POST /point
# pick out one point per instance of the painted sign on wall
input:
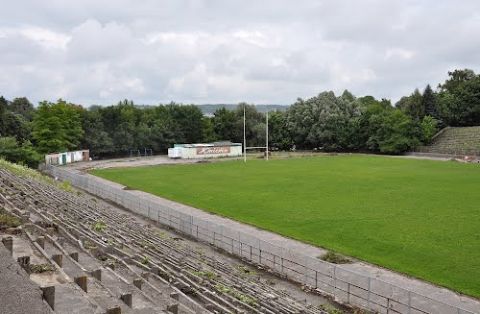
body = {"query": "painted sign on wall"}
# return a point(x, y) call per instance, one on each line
point(213, 150)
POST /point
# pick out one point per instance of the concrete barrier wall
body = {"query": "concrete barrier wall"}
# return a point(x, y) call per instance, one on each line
point(344, 285)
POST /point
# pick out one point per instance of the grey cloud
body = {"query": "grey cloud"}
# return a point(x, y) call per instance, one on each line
point(229, 51)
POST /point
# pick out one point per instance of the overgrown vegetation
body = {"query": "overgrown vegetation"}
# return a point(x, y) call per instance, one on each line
point(236, 294)
point(41, 268)
point(330, 309)
point(99, 226)
point(335, 258)
point(205, 274)
point(245, 271)
point(19, 152)
point(145, 260)
point(7, 220)
point(89, 245)
point(26, 172)
point(66, 186)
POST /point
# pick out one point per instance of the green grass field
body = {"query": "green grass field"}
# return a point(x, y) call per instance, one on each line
point(418, 217)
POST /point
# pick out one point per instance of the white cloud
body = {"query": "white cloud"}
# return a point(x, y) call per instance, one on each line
point(393, 53)
point(46, 38)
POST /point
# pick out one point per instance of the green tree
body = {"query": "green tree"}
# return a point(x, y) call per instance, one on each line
point(23, 107)
point(397, 133)
point(429, 127)
point(12, 151)
point(3, 116)
point(459, 98)
point(224, 125)
point(279, 136)
point(429, 102)
point(16, 125)
point(457, 79)
point(189, 122)
point(254, 126)
point(208, 130)
point(385, 129)
point(412, 105)
point(57, 127)
point(95, 138)
point(325, 121)
point(13, 123)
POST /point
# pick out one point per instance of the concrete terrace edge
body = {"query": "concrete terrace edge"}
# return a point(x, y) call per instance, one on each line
point(359, 284)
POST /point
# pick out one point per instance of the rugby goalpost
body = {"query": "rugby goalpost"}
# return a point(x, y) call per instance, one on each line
point(245, 136)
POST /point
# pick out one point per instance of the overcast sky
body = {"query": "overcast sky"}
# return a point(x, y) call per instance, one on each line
point(152, 51)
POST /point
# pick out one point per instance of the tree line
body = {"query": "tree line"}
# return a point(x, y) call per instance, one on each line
point(325, 122)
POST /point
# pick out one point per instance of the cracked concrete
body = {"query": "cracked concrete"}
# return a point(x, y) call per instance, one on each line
point(18, 294)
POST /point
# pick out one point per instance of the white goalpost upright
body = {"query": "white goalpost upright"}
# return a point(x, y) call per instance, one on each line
point(245, 136)
point(266, 135)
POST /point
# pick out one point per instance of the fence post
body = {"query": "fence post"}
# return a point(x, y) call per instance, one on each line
point(409, 302)
point(191, 225)
point(334, 280)
point(305, 274)
point(368, 300)
point(348, 293)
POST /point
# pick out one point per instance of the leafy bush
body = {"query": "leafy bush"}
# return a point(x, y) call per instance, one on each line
point(24, 154)
point(66, 186)
point(8, 221)
point(145, 260)
point(41, 268)
point(99, 226)
point(335, 258)
point(429, 128)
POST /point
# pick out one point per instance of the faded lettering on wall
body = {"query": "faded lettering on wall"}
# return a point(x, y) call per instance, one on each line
point(213, 150)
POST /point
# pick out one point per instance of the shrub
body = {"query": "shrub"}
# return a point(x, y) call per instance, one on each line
point(335, 258)
point(24, 154)
point(99, 226)
point(429, 128)
point(41, 268)
point(8, 221)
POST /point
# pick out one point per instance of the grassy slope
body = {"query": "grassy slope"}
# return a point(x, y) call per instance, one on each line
point(415, 216)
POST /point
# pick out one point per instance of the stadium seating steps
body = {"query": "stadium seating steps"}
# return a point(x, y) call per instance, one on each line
point(455, 141)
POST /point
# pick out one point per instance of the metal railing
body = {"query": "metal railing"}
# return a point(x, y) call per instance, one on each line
point(344, 285)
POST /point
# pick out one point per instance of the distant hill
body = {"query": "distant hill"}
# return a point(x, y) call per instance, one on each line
point(209, 109)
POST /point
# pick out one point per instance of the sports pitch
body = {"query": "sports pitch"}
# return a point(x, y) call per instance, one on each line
point(418, 217)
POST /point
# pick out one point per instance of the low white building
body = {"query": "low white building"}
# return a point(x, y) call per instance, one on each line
point(205, 150)
point(67, 157)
